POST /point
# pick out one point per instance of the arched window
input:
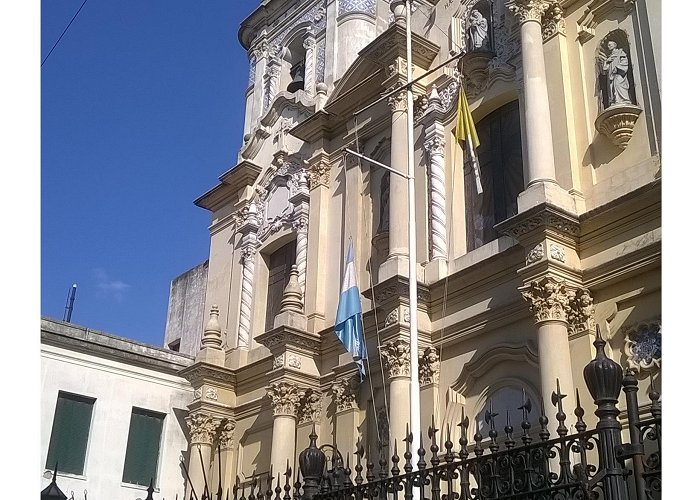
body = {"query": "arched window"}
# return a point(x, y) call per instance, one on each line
point(506, 401)
point(293, 65)
point(501, 161)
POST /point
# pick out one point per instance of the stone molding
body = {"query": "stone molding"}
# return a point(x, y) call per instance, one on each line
point(226, 439)
point(282, 338)
point(429, 367)
point(397, 359)
point(548, 299)
point(310, 406)
point(202, 427)
point(345, 393)
point(528, 10)
point(285, 398)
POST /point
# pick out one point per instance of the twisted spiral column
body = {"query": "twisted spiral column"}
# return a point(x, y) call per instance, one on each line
point(435, 147)
point(310, 64)
point(246, 298)
point(302, 229)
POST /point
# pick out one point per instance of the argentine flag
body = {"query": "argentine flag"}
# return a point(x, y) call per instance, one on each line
point(348, 320)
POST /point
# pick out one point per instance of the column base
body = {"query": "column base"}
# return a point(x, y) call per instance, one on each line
point(549, 192)
point(395, 265)
point(435, 270)
point(211, 356)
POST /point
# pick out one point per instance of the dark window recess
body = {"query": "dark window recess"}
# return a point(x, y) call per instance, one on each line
point(143, 447)
point(174, 345)
point(69, 434)
point(501, 161)
point(281, 263)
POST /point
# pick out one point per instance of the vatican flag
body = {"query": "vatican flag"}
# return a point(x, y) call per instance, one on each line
point(466, 131)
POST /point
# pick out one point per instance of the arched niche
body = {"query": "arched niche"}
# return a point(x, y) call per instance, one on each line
point(615, 75)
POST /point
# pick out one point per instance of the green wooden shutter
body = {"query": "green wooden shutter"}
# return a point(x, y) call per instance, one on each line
point(69, 434)
point(142, 447)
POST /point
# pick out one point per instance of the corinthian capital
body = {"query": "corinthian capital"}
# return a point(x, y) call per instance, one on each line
point(529, 10)
point(548, 299)
point(553, 22)
point(345, 393)
point(202, 427)
point(435, 146)
point(397, 359)
point(285, 398)
point(429, 367)
point(398, 101)
point(310, 406)
point(581, 309)
point(226, 434)
point(320, 173)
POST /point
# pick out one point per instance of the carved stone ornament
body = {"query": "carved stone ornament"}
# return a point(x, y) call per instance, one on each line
point(536, 254)
point(553, 22)
point(320, 174)
point(211, 393)
point(528, 10)
point(643, 346)
point(294, 361)
point(310, 407)
point(392, 318)
point(285, 398)
point(226, 434)
point(557, 252)
point(197, 394)
point(580, 312)
point(617, 123)
point(278, 362)
point(397, 359)
point(429, 367)
point(548, 299)
point(345, 393)
point(202, 427)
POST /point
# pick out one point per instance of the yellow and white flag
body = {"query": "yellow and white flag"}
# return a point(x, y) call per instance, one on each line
point(466, 131)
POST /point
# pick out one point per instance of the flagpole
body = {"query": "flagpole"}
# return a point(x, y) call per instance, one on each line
point(412, 278)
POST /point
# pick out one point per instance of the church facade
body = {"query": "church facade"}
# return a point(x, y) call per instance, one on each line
point(557, 231)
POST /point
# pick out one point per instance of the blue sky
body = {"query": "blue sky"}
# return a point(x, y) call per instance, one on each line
point(141, 110)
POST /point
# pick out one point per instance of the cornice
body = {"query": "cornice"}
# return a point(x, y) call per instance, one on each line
point(284, 337)
point(202, 372)
point(541, 217)
point(392, 44)
point(96, 343)
point(231, 182)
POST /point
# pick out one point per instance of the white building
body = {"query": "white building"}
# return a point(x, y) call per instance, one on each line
point(112, 414)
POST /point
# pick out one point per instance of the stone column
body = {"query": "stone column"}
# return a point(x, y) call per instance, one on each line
point(398, 186)
point(435, 151)
point(397, 360)
point(285, 403)
point(261, 56)
point(249, 244)
point(550, 303)
point(301, 226)
point(202, 431)
point(429, 379)
point(347, 413)
point(538, 123)
point(310, 64)
point(229, 445)
point(272, 79)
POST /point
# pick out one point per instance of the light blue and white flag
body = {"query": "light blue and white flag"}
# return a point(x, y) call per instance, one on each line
point(348, 320)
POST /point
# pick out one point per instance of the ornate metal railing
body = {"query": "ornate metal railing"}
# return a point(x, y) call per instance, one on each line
point(588, 464)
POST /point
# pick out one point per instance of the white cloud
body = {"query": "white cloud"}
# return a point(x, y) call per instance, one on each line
point(112, 288)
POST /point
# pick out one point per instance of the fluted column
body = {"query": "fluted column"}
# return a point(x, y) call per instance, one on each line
point(202, 432)
point(310, 64)
point(550, 303)
point(435, 150)
point(397, 360)
point(538, 123)
point(285, 403)
point(301, 226)
point(398, 186)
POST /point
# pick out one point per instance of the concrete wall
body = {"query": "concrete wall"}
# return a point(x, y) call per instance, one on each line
point(186, 309)
point(117, 385)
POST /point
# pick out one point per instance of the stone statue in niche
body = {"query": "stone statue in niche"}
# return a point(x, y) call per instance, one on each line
point(477, 31)
point(617, 66)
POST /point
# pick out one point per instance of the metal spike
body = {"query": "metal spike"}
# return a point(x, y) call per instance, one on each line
point(421, 454)
point(557, 398)
point(544, 432)
point(395, 471)
point(509, 442)
point(408, 466)
point(463, 424)
point(449, 455)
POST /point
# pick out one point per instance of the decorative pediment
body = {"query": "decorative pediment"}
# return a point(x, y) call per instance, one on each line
point(596, 12)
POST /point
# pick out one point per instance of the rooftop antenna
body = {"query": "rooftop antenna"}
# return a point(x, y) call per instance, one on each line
point(69, 303)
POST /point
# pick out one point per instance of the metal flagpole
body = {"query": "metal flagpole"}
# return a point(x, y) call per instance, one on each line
point(412, 278)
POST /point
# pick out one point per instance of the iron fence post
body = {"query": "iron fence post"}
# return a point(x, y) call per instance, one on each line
point(635, 449)
point(603, 378)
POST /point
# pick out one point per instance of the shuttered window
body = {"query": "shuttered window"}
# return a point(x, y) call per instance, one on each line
point(143, 447)
point(281, 263)
point(69, 434)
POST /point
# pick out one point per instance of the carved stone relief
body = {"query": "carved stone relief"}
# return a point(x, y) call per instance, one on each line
point(226, 434)
point(396, 356)
point(536, 254)
point(202, 427)
point(429, 367)
point(556, 252)
point(345, 393)
point(643, 346)
point(285, 398)
point(310, 406)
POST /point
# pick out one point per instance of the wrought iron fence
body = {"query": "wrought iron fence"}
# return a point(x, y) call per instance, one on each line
point(528, 463)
